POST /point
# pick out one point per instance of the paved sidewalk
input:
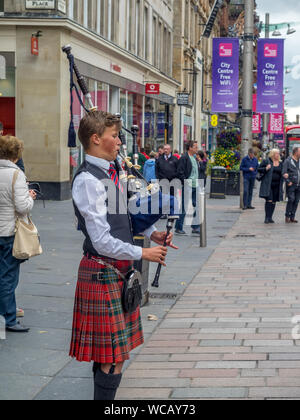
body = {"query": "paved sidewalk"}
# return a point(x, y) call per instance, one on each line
point(36, 365)
point(229, 336)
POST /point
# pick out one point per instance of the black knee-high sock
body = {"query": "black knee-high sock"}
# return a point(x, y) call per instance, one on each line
point(106, 385)
point(272, 209)
point(268, 209)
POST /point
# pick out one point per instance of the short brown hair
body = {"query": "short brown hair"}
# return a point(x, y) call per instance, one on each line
point(190, 145)
point(11, 148)
point(95, 123)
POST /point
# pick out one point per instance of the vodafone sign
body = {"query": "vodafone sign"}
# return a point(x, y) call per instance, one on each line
point(152, 88)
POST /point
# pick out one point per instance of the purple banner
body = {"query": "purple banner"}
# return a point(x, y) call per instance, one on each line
point(270, 76)
point(225, 75)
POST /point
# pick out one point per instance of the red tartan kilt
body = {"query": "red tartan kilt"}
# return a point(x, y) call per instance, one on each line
point(102, 332)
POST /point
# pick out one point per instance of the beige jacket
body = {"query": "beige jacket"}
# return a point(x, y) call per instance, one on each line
point(23, 201)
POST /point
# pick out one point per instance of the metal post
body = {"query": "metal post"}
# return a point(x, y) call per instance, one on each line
point(248, 77)
point(248, 59)
point(266, 116)
point(203, 230)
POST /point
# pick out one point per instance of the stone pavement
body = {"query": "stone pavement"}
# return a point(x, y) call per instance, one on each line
point(229, 336)
point(36, 365)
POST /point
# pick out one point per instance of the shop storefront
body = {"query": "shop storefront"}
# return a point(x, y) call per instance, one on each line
point(112, 93)
point(158, 126)
point(7, 92)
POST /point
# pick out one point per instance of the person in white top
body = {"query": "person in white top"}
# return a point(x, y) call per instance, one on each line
point(10, 152)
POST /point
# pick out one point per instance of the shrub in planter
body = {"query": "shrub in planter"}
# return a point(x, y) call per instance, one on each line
point(226, 158)
point(229, 139)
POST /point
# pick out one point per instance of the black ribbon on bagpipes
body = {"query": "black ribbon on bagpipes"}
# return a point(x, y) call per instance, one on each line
point(72, 132)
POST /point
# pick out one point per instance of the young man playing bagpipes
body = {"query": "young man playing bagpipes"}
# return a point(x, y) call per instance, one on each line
point(103, 331)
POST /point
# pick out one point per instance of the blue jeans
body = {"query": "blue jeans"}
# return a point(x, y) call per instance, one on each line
point(9, 280)
point(248, 191)
point(180, 222)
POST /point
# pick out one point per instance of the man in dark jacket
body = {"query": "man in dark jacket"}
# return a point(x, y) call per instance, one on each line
point(166, 165)
point(291, 174)
point(188, 172)
point(249, 167)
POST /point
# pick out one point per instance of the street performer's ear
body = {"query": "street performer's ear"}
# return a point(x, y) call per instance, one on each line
point(95, 140)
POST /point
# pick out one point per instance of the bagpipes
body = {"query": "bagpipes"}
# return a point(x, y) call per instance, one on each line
point(146, 198)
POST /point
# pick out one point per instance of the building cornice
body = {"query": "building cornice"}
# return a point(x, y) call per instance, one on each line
point(94, 38)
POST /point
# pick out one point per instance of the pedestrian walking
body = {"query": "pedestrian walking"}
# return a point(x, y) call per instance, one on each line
point(103, 332)
point(166, 166)
point(271, 189)
point(149, 168)
point(143, 152)
point(188, 170)
point(176, 154)
point(202, 163)
point(291, 174)
point(160, 151)
point(249, 167)
point(12, 199)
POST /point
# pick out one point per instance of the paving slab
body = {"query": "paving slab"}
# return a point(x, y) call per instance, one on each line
point(250, 284)
point(40, 367)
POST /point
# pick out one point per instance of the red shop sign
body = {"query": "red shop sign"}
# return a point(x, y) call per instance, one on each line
point(34, 45)
point(152, 88)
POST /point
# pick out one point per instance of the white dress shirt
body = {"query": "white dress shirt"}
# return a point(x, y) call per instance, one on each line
point(87, 193)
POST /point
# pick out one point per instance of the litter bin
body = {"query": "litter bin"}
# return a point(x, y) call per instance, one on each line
point(218, 182)
point(143, 267)
point(233, 183)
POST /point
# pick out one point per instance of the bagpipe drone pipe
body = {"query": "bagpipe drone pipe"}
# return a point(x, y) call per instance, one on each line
point(146, 202)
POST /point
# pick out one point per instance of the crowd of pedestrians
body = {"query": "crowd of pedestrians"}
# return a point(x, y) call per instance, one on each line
point(190, 167)
point(276, 175)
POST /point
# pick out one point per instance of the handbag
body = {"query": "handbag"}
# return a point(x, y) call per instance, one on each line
point(260, 176)
point(131, 295)
point(27, 240)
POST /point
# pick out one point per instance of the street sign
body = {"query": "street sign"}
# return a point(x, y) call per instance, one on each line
point(152, 88)
point(40, 4)
point(183, 99)
point(214, 120)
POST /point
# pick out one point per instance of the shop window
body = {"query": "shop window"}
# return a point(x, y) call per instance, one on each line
point(7, 92)
point(102, 96)
point(158, 124)
point(131, 109)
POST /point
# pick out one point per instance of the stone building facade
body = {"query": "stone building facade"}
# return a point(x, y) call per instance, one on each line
point(119, 45)
point(192, 66)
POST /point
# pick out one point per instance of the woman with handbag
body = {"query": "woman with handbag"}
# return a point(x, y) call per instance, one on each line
point(271, 189)
point(14, 199)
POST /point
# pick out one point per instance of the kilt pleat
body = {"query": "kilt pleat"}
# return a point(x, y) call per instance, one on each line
point(101, 331)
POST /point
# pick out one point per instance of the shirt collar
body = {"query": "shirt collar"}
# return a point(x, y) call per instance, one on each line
point(101, 163)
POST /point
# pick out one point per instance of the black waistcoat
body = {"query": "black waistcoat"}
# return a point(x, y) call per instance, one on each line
point(120, 224)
